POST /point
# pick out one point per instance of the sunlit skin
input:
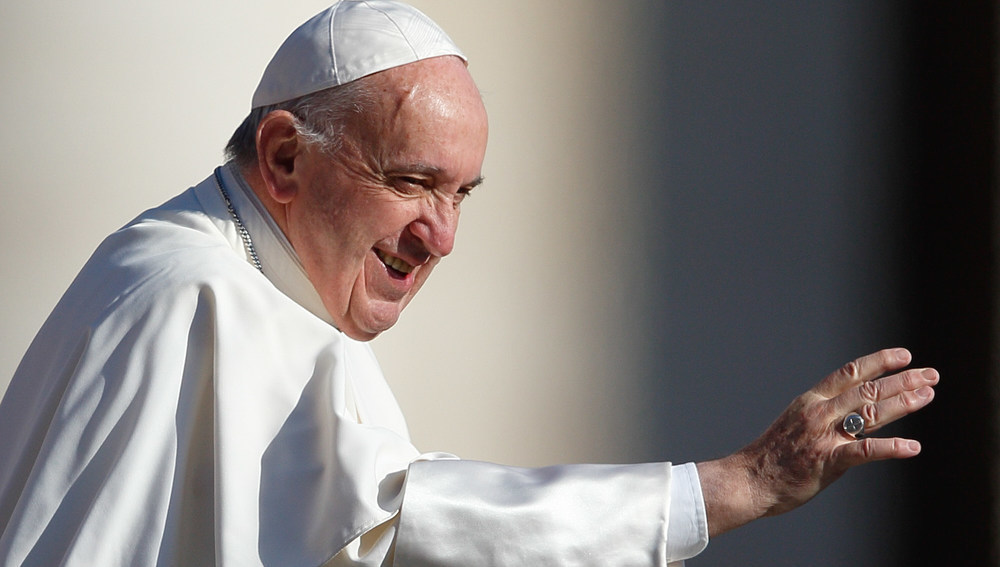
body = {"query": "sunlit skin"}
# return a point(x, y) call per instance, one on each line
point(370, 222)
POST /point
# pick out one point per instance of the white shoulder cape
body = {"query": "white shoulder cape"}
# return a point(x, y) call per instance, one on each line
point(179, 407)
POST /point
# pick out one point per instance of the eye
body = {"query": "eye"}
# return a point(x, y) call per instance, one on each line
point(462, 194)
point(408, 185)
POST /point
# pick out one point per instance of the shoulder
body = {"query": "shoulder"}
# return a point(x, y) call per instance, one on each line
point(181, 238)
point(172, 280)
point(167, 259)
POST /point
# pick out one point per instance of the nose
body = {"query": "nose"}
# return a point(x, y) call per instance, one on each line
point(436, 228)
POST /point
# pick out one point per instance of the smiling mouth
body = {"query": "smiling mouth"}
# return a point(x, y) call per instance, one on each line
point(393, 263)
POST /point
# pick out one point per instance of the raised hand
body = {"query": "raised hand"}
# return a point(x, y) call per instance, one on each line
point(806, 448)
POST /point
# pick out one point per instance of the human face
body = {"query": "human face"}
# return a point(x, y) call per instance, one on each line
point(371, 221)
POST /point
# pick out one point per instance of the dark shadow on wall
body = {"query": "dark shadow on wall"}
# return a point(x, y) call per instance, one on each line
point(798, 209)
point(950, 279)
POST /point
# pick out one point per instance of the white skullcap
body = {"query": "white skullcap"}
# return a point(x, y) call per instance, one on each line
point(347, 41)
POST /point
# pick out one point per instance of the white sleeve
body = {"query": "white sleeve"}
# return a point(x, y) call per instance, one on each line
point(464, 513)
point(688, 535)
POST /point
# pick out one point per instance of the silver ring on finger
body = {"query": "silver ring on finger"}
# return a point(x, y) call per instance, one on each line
point(854, 425)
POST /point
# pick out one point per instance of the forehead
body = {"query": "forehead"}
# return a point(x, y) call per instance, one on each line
point(429, 111)
point(445, 76)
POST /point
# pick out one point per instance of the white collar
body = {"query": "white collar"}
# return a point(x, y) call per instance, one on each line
point(279, 262)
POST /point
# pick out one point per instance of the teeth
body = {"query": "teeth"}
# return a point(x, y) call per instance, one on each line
point(393, 262)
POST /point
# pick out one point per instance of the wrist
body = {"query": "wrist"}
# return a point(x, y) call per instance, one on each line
point(730, 487)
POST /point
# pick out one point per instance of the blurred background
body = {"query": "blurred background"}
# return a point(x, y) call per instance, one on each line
point(693, 212)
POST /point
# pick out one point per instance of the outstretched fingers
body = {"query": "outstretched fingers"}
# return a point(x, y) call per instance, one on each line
point(863, 370)
point(887, 399)
point(860, 386)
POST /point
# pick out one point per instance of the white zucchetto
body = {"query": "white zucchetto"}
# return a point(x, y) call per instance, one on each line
point(349, 40)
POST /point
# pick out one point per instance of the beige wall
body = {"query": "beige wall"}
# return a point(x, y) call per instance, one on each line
point(110, 107)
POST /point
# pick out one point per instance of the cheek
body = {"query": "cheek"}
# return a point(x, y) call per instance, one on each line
point(336, 226)
point(342, 227)
point(381, 220)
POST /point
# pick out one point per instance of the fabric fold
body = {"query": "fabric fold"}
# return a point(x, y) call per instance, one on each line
point(458, 513)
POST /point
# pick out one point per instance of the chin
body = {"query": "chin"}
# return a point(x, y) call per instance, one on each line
point(357, 333)
point(368, 329)
point(365, 320)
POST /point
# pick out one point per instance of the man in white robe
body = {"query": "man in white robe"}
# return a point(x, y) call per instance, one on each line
point(204, 394)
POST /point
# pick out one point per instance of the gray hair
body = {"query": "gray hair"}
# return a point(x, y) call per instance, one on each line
point(320, 118)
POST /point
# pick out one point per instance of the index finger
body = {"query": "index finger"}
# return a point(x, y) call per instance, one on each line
point(863, 369)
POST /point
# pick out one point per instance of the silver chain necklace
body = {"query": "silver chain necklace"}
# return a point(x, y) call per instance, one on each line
point(244, 234)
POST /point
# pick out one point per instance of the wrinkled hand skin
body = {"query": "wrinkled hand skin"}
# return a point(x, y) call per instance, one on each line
point(805, 449)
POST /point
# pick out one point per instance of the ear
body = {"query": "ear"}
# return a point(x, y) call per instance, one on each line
point(279, 153)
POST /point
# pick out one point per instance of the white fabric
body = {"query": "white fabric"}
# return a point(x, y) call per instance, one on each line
point(688, 520)
point(590, 496)
point(181, 408)
point(349, 40)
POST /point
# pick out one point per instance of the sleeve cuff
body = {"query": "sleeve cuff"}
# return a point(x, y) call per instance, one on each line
point(687, 532)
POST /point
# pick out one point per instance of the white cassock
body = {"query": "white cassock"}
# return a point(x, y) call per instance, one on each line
point(180, 407)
